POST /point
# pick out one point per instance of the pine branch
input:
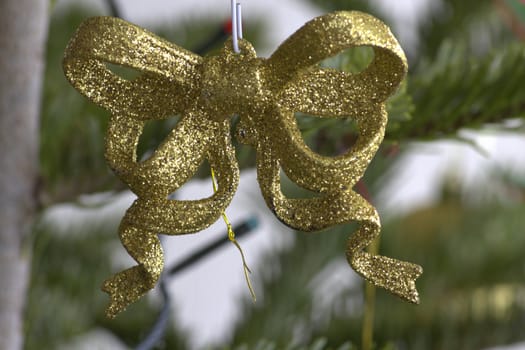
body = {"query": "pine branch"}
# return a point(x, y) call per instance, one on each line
point(454, 91)
point(467, 21)
point(459, 91)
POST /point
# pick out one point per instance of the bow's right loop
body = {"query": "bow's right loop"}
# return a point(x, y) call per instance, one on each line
point(328, 35)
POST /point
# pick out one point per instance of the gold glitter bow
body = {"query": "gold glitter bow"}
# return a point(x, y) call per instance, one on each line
point(265, 93)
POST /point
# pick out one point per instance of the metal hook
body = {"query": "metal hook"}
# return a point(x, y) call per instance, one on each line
point(239, 20)
point(236, 24)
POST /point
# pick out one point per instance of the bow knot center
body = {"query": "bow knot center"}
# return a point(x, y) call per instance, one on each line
point(231, 81)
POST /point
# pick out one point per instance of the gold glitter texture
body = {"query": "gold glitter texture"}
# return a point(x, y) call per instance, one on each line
point(265, 93)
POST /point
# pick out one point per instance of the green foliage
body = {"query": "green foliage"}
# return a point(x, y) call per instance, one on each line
point(457, 91)
point(400, 109)
point(65, 299)
point(518, 8)
point(287, 304)
point(319, 344)
point(471, 21)
point(72, 128)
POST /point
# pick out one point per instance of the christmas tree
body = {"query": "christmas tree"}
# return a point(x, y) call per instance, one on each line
point(465, 79)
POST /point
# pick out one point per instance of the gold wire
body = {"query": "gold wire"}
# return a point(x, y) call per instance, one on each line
point(231, 237)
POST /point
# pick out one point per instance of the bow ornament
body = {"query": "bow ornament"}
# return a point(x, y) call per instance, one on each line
point(265, 93)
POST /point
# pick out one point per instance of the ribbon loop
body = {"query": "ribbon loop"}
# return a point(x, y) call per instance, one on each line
point(169, 73)
point(326, 36)
point(330, 93)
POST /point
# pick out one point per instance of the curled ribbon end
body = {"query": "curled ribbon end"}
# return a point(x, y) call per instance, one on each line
point(397, 277)
point(126, 287)
point(411, 283)
point(247, 271)
point(114, 307)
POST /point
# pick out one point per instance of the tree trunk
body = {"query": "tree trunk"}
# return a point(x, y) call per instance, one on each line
point(23, 31)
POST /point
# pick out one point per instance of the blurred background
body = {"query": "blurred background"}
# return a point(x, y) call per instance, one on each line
point(449, 183)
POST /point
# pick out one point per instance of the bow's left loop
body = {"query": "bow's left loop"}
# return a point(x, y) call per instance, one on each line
point(169, 85)
point(169, 78)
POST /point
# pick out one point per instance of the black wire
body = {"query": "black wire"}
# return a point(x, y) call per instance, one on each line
point(114, 10)
point(240, 230)
point(158, 330)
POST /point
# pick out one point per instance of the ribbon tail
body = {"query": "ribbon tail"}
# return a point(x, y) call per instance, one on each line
point(397, 277)
point(126, 287)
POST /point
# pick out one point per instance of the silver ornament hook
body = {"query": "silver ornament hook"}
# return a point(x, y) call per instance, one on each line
point(236, 10)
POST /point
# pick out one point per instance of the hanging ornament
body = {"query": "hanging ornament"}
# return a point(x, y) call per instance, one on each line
point(265, 93)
